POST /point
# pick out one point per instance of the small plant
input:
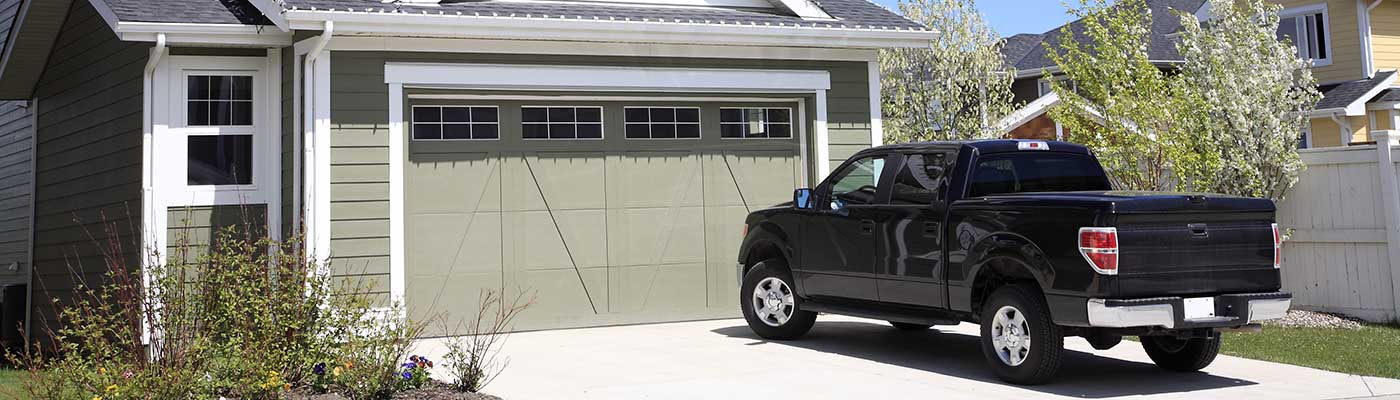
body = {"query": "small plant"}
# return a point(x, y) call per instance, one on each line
point(473, 359)
point(414, 373)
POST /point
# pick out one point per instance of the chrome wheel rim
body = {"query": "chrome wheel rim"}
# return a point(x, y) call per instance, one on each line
point(772, 302)
point(1011, 336)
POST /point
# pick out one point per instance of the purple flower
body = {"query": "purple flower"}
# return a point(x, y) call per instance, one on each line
point(408, 365)
point(319, 369)
point(407, 375)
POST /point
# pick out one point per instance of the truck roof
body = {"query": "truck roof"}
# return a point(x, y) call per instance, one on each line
point(982, 146)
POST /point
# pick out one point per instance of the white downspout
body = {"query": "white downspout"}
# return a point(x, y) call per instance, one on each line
point(148, 203)
point(1345, 125)
point(309, 212)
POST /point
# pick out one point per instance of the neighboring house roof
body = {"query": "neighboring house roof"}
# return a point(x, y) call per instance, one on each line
point(847, 14)
point(1350, 98)
point(1017, 46)
point(1162, 48)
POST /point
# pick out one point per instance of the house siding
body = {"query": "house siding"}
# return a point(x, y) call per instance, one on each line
point(1326, 132)
point(88, 181)
point(1385, 36)
point(360, 143)
point(16, 153)
point(9, 9)
point(192, 229)
point(1345, 37)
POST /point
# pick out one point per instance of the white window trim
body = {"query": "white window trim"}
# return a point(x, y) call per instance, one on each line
point(621, 79)
point(1326, 20)
point(792, 129)
point(412, 122)
point(602, 121)
point(700, 121)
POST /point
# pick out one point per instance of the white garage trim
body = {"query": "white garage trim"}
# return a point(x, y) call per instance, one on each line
point(877, 126)
point(578, 78)
point(576, 48)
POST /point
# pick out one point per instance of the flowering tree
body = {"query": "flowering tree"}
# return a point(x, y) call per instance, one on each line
point(1254, 93)
point(1226, 120)
point(953, 88)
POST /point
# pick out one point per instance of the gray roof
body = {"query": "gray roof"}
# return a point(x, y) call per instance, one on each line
point(1387, 96)
point(1016, 47)
point(1161, 47)
point(849, 14)
point(1344, 94)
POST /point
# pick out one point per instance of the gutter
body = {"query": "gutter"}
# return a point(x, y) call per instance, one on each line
point(308, 137)
point(148, 203)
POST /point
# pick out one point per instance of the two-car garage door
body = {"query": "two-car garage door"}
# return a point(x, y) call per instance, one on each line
point(607, 211)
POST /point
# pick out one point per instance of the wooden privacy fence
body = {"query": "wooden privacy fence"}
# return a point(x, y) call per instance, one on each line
point(1344, 213)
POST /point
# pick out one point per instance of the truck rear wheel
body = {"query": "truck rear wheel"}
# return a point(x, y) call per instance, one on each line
point(1021, 343)
point(770, 304)
point(1182, 355)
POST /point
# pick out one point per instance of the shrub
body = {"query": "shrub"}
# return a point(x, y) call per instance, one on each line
point(245, 317)
point(474, 358)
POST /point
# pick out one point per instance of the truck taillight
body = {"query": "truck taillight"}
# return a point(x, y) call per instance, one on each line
point(1278, 247)
point(1099, 246)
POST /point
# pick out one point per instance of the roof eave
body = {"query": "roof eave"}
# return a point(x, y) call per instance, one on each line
point(502, 27)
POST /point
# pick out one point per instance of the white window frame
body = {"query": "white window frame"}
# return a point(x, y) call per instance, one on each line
point(412, 123)
point(699, 121)
point(1302, 37)
point(602, 122)
point(792, 125)
point(172, 133)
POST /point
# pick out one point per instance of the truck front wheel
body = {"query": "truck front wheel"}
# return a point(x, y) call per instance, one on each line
point(1021, 343)
point(1183, 355)
point(770, 304)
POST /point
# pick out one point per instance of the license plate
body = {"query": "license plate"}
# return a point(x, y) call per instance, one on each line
point(1201, 307)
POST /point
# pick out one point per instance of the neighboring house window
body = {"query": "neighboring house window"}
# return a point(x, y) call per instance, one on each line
point(1306, 28)
point(755, 123)
point(456, 123)
point(662, 122)
point(1043, 85)
point(1305, 138)
point(561, 122)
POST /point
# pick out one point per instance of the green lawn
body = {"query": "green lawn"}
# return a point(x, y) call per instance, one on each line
point(11, 382)
point(1371, 350)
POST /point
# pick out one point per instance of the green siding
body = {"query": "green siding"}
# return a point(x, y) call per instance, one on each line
point(88, 181)
point(191, 230)
point(289, 130)
point(16, 131)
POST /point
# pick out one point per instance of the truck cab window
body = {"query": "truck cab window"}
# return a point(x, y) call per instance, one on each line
point(918, 181)
point(1036, 172)
point(857, 183)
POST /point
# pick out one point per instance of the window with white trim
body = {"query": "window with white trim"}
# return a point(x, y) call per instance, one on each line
point(220, 151)
point(219, 100)
point(1306, 27)
point(543, 123)
point(755, 123)
point(456, 123)
point(662, 122)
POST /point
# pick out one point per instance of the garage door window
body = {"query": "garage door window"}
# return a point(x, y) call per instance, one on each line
point(755, 123)
point(663, 122)
point(545, 123)
point(455, 123)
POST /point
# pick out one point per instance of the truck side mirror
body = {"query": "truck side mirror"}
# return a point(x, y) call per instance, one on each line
point(802, 199)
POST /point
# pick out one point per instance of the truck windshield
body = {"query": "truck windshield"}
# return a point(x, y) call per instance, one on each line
point(1036, 172)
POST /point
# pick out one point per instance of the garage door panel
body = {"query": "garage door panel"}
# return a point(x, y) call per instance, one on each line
point(520, 191)
point(559, 294)
point(453, 183)
point(765, 178)
point(451, 299)
point(570, 180)
point(533, 242)
point(455, 243)
point(724, 228)
point(653, 288)
point(648, 236)
point(654, 179)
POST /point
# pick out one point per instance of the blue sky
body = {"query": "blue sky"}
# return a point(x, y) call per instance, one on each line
point(1010, 17)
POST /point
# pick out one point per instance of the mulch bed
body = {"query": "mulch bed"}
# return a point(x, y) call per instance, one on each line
point(436, 391)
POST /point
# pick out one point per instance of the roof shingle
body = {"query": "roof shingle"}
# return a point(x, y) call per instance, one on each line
point(1161, 46)
point(1344, 94)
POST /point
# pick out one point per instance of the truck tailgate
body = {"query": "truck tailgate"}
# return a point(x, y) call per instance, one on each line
point(1194, 249)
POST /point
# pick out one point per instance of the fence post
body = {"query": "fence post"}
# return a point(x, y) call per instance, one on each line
point(1390, 196)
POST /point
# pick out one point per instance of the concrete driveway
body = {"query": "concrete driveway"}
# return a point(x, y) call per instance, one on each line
point(852, 358)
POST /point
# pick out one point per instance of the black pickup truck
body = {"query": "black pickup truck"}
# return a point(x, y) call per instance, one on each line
point(1025, 238)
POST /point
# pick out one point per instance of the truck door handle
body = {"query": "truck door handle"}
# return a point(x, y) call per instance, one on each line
point(1198, 230)
point(930, 229)
point(867, 227)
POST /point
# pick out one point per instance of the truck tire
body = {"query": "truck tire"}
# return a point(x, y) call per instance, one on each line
point(770, 303)
point(1019, 340)
point(1181, 355)
point(905, 326)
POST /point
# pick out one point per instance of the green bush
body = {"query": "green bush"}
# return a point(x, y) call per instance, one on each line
point(245, 317)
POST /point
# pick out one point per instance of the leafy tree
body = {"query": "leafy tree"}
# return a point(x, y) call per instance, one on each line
point(1254, 93)
point(1116, 101)
point(952, 88)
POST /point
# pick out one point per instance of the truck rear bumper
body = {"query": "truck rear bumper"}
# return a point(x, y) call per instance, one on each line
point(1223, 311)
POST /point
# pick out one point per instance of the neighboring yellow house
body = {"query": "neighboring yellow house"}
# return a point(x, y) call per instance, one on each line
point(1355, 45)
